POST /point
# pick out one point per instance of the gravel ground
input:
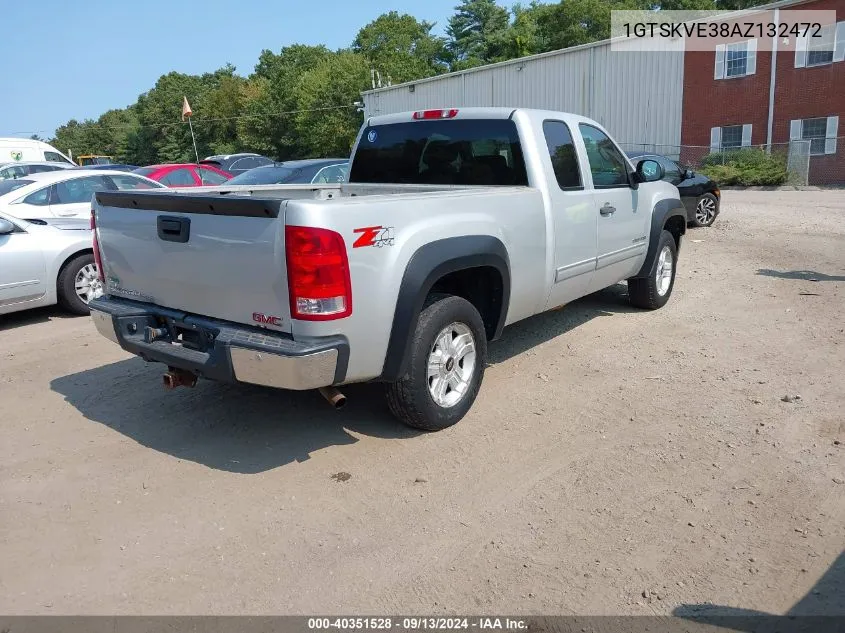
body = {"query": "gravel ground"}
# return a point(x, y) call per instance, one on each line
point(615, 462)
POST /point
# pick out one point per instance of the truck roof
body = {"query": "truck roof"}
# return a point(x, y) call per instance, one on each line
point(462, 113)
point(476, 113)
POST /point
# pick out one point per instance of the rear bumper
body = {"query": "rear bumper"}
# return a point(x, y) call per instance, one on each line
point(220, 350)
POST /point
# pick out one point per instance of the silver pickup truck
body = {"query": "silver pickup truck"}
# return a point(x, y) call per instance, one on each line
point(454, 224)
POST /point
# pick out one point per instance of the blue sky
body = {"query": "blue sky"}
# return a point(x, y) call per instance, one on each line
point(78, 58)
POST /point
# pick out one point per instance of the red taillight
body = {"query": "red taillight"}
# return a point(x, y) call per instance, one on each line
point(97, 258)
point(318, 274)
point(435, 114)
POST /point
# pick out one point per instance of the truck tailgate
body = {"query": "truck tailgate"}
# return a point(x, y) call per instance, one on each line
point(216, 256)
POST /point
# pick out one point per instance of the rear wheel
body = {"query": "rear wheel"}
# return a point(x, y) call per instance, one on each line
point(653, 290)
point(706, 210)
point(448, 357)
point(79, 283)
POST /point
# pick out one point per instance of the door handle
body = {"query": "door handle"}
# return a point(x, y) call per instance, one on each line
point(607, 210)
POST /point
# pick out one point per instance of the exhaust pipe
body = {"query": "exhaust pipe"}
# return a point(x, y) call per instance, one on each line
point(178, 378)
point(333, 397)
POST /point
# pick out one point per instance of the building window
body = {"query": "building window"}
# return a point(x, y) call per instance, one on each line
point(736, 60)
point(820, 131)
point(827, 48)
point(814, 130)
point(731, 137)
point(820, 49)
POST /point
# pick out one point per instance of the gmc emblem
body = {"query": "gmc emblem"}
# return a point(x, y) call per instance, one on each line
point(266, 319)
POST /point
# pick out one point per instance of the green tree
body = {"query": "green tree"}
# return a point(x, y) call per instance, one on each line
point(574, 22)
point(77, 137)
point(521, 37)
point(476, 33)
point(327, 121)
point(270, 100)
point(401, 47)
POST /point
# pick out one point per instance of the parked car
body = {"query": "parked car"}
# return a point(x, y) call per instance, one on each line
point(185, 174)
point(381, 279)
point(87, 160)
point(236, 164)
point(317, 170)
point(114, 167)
point(700, 195)
point(18, 149)
point(65, 193)
point(46, 262)
point(24, 168)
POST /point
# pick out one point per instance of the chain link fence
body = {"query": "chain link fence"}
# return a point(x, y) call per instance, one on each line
point(800, 162)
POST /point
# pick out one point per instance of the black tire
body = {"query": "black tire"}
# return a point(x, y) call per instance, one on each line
point(409, 398)
point(65, 285)
point(643, 292)
point(708, 198)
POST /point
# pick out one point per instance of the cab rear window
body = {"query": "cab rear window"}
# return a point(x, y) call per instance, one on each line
point(440, 152)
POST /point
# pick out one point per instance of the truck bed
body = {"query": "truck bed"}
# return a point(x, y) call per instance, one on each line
point(231, 263)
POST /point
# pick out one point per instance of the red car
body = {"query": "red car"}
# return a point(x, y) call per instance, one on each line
point(185, 174)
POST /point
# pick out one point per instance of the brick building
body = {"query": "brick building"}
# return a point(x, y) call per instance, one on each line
point(733, 98)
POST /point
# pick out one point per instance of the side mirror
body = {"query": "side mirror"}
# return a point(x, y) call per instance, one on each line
point(6, 227)
point(649, 170)
point(689, 173)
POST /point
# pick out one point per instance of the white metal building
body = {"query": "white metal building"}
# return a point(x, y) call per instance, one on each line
point(636, 95)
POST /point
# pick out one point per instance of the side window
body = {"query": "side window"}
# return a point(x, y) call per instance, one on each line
point(607, 165)
point(672, 173)
point(182, 177)
point(55, 157)
point(562, 153)
point(209, 177)
point(130, 183)
point(13, 171)
point(242, 164)
point(332, 173)
point(260, 161)
point(40, 198)
point(36, 169)
point(78, 190)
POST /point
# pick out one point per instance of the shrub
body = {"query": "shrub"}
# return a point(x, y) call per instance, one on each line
point(745, 167)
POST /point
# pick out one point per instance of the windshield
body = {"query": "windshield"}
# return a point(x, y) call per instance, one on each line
point(444, 152)
point(145, 171)
point(268, 175)
point(7, 186)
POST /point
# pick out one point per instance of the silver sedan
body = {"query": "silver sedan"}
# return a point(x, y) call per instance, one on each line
point(46, 262)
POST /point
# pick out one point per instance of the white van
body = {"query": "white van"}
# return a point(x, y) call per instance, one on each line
point(13, 150)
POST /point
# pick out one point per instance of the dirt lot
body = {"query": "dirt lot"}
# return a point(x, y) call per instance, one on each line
point(616, 461)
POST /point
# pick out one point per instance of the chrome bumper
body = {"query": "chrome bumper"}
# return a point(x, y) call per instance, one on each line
point(284, 372)
point(228, 352)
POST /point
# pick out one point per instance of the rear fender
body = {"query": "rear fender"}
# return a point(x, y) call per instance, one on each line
point(428, 264)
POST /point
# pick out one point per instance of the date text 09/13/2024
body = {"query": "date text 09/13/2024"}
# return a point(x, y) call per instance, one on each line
point(418, 623)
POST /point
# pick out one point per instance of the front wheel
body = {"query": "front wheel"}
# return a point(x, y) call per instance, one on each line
point(653, 290)
point(448, 357)
point(706, 210)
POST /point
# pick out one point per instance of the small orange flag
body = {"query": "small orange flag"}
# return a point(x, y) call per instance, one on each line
point(186, 108)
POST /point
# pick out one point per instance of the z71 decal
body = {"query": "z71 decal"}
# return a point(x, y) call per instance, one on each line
point(377, 236)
